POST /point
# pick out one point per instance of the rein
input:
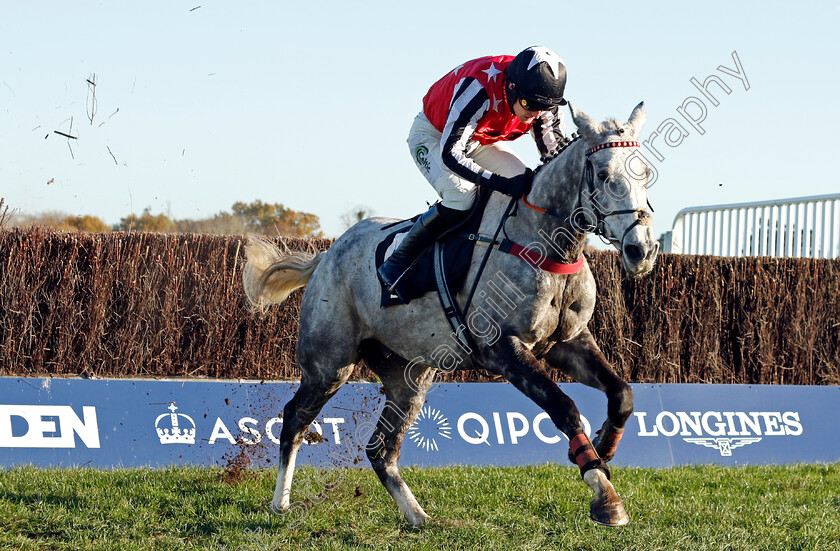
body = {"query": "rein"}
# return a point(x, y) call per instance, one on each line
point(588, 180)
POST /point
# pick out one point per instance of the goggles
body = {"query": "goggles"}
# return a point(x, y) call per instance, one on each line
point(530, 105)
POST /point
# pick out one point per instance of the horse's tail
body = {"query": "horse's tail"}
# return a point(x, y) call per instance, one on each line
point(270, 275)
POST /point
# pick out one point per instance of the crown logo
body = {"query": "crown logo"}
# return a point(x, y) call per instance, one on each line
point(174, 433)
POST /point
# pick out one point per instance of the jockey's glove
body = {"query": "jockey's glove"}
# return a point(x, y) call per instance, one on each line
point(517, 186)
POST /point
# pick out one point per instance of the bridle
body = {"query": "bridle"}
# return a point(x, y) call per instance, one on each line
point(578, 219)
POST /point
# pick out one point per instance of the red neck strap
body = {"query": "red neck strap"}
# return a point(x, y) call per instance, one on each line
point(535, 259)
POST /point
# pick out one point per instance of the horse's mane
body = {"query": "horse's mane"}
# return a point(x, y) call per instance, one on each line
point(564, 147)
point(556, 154)
point(575, 245)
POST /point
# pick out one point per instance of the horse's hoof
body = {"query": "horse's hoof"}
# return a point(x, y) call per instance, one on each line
point(418, 519)
point(278, 507)
point(608, 512)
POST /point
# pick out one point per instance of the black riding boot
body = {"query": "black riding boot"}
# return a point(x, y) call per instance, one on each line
point(423, 233)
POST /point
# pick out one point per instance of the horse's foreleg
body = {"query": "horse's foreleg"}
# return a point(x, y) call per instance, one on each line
point(607, 508)
point(516, 363)
point(298, 415)
point(582, 360)
point(405, 390)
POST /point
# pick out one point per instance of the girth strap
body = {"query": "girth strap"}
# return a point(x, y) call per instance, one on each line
point(450, 306)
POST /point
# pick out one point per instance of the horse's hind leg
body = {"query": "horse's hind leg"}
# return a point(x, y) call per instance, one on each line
point(315, 390)
point(582, 360)
point(405, 390)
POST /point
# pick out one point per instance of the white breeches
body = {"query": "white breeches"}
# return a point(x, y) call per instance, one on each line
point(424, 142)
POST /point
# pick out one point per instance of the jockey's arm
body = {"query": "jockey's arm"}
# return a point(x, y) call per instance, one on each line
point(471, 102)
point(549, 133)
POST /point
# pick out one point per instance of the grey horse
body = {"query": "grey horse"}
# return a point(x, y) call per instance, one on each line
point(526, 319)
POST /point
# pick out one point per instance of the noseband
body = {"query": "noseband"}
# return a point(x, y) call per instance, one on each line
point(578, 220)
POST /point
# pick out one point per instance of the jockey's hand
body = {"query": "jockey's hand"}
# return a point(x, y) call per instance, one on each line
point(516, 186)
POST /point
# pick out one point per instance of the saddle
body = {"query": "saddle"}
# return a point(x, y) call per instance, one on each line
point(443, 266)
point(455, 250)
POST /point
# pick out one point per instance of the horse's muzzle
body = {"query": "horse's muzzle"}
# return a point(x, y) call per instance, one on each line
point(638, 258)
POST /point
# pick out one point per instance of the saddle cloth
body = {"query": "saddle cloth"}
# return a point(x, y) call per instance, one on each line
point(420, 278)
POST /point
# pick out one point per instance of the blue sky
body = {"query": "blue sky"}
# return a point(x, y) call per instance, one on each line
point(310, 105)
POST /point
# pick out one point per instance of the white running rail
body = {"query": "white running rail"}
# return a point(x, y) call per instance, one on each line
point(800, 226)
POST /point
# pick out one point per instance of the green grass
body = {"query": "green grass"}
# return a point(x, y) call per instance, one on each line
point(542, 507)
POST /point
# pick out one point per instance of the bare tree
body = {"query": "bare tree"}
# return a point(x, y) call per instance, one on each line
point(356, 214)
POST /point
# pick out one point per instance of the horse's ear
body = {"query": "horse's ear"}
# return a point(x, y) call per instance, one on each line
point(585, 123)
point(637, 119)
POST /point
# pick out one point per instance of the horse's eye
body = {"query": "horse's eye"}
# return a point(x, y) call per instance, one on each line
point(602, 175)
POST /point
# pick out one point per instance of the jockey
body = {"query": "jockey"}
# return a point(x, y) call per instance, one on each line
point(458, 139)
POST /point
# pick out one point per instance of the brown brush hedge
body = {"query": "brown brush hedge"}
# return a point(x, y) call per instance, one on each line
point(160, 305)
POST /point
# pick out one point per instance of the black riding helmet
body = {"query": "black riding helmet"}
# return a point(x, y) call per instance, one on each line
point(538, 76)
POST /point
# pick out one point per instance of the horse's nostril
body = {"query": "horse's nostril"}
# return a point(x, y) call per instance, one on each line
point(634, 253)
point(653, 251)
